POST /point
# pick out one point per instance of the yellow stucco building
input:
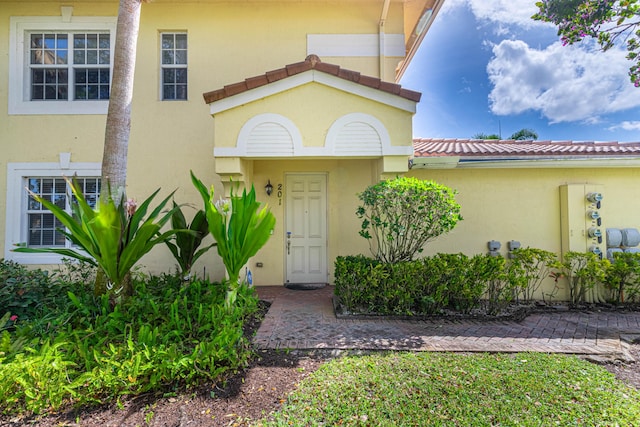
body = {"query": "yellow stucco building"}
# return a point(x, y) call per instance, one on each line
point(298, 95)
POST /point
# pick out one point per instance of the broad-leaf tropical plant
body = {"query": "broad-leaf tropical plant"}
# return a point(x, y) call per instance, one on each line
point(240, 227)
point(184, 246)
point(113, 237)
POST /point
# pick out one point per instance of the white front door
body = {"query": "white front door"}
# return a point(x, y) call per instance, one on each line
point(306, 228)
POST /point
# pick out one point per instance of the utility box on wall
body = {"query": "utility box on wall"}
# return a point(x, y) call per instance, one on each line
point(582, 222)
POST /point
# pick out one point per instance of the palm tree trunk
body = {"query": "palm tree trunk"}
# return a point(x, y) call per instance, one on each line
point(118, 126)
point(116, 141)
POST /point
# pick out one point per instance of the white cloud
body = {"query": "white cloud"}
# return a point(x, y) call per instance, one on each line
point(627, 125)
point(452, 5)
point(516, 12)
point(563, 83)
point(500, 12)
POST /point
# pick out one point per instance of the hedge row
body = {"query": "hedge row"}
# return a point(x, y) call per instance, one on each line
point(461, 283)
point(425, 286)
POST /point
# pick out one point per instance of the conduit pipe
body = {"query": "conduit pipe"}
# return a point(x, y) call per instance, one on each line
point(381, 34)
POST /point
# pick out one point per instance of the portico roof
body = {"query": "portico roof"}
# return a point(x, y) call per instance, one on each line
point(334, 76)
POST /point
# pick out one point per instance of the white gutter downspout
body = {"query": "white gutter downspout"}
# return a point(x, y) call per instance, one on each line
point(381, 49)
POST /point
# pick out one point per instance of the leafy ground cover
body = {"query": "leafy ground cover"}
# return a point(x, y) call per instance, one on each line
point(170, 336)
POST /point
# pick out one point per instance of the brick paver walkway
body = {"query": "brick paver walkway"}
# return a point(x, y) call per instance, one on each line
point(306, 320)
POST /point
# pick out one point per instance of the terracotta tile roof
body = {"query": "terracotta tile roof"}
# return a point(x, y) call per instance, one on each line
point(510, 149)
point(312, 62)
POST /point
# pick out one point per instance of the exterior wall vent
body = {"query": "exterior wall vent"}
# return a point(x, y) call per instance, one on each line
point(358, 138)
point(271, 139)
point(358, 134)
point(267, 135)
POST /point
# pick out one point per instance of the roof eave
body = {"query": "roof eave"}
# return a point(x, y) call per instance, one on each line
point(310, 76)
point(550, 162)
point(460, 162)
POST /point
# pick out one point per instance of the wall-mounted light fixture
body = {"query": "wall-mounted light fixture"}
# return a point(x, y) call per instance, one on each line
point(268, 188)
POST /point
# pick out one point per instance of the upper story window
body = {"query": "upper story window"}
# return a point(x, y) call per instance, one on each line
point(173, 64)
point(67, 66)
point(60, 66)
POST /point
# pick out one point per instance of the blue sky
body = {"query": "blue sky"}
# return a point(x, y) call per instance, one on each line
point(487, 67)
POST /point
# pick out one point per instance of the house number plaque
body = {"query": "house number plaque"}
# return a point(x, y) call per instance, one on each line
point(279, 194)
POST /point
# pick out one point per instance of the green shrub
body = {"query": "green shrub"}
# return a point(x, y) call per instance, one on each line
point(112, 237)
point(185, 247)
point(21, 291)
point(422, 287)
point(432, 292)
point(584, 271)
point(349, 287)
point(240, 227)
point(360, 283)
point(450, 271)
point(31, 294)
point(401, 215)
point(500, 280)
point(622, 277)
point(531, 267)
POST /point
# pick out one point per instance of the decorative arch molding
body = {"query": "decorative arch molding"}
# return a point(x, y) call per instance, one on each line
point(274, 135)
point(269, 135)
point(358, 134)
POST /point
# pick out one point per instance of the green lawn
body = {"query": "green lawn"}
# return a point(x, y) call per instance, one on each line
point(443, 389)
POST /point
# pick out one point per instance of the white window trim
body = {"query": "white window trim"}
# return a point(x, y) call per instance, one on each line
point(15, 228)
point(19, 102)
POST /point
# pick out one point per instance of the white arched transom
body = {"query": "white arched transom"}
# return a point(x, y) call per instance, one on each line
point(269, 135)
point(357, 134)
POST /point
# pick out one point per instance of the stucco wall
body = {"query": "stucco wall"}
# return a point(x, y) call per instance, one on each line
point(524, 205)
